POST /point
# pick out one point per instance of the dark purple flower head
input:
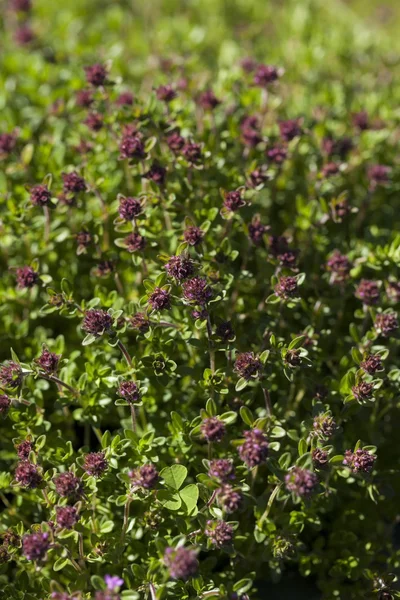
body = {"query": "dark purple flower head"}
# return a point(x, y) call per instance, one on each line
point(24, 34)
point(361, 120)
point(192, 152)
point(125, 99)
point(131, 146)
point(94, 121)
point(222, 469)
point(340, 147)
point(229, 499)
point(21, 5)
point(224, 331)
point(83, 240)
point(324, 426)
point(35, 545)
point(157, 174)
point(248, 365)
point(160, 299)
point(96, 75)
point(129, 208)
point(386, 323)
point(129, 391)
point(250, 133)
point(48, 361)
point(372, 364)
point(5, 556)
point(363, 391)
point(40, 195)
point(95, 463)
point(234, 200)
point(330, 169)
point(24, 449)
point(290, 129)
point(320, 458)
point(287, 287)
point(368, 291)
point(181, 562)
point(201, 314)
point(193, 235)
point(378, 175)
point(97, 321)
point(208, 100)
point(278, 245)
point(393, 291)
point(140, 321)
point(293, 358)
point(175, 142)
point(11, 375)
point(248, 64)
point(339, 266)
point(26, 277)
point(67, 516)
point(27, 474)
point(301, 481)
point(265, 74)
point(5, 403)
point(289, 259)
point(8, 142)
point(277, 154)
point(180, 267)
point(213, 429)
point(166, 93)
point(69, 485)
point(254, 450)
point(257, 178)
point(219, 533)
point(360, 461)
point(146, 477)
point(73, 183)
point(197, 291)
point(84, 98)
point(135, 242)
point(340, 209)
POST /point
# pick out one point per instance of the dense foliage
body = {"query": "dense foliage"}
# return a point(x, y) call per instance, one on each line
point(199, 302)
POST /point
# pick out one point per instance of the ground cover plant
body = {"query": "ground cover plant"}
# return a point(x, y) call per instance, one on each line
point(200, 251)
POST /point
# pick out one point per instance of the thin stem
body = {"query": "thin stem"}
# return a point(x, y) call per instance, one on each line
point(268, 405)
point(81, 551)
point(152, 591)
point(97, 433)
point(58, 381)
point(45, 496)
point(4, 500)
point(210, 344)
point(269, 504)
point(46, 223)
point(128, 175)
point(133, 416)
point(126, 521)
point(212, 498)
point(125, 353)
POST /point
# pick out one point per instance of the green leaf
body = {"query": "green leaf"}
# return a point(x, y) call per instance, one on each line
point(296, 342)
point(170, 500)
point(241, 384)
point(347, 383)
point(303, 447)
point(278, 432)
point(61, 563)
point(189, 496)
point(247, 415)
point(174, 476)
point(211, 407)
point(337, 459)
point(89, 339)
point(356, 354)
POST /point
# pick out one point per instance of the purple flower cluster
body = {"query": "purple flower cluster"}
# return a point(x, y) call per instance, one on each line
point(96, 75)
point(265, 75)
point(229, 499)
point(301, 481)
point(180, 267)
point(129, 391)
point(40, 195)
point(28, 475)
point(360, 461)
point(160, 299)
point(48, 361)
point(26, 277)
point(248, 365)
point(324, 426)
point(66, 516)
point(24, 449)
point(254, 450)
point(363, 391)
point(181, 562)
point(386, 323)
point(222, 469)
point(193, 235)
point(208, 100)
point(368, 292)
point(69, 485)
point(129, 208)
point(73, 183)
point(97, 321)
point(35, 545)
point(213, 429)
point(11, 375)
point(320, 458)
point(372, 364)
point(146, 477)
point(131, 145)
point(95, 463)
point(257, 231)
point(219, 533)
point(290, 129)
point(197, 291)
point(135, 242)
point(5, 403)
point(234, 200)
point(339, 266)
point(287, 288)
